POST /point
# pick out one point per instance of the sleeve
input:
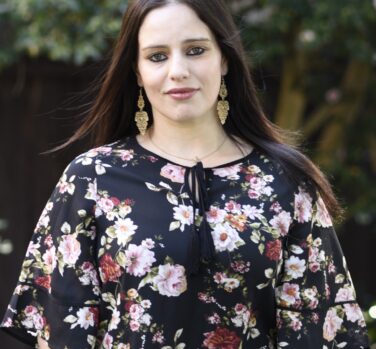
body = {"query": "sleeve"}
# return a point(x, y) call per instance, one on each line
point(315, 296)
point(57, 294)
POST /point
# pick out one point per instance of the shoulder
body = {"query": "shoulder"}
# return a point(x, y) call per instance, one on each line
point(95, 161)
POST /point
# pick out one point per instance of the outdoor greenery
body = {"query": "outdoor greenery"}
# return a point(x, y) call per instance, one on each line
point(314, 61)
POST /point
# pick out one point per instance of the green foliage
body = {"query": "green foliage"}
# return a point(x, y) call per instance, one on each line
point(67, 30)
point(347, 26)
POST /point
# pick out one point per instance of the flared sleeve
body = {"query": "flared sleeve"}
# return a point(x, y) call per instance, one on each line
point(58, 291)
point(315, 296)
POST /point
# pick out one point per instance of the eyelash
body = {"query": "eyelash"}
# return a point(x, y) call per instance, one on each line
point(202, 50)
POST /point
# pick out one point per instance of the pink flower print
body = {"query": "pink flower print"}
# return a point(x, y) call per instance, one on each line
point(173, 172)
point(288, 294)
point(70, 248)
point(171, 280)
point(139, 260)
point(332, 324)
point(302, 206)
point(215, 215)
point(281, 222)
point(322, 215)
point(230, 172)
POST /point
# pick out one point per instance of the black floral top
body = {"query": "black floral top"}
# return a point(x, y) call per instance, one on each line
point(133, 251)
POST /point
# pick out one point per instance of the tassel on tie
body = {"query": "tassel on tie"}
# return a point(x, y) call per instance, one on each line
point(202, 244)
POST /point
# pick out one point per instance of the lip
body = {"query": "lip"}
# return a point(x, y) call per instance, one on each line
point(182, 93)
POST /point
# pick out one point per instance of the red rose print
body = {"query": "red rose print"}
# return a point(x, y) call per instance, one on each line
point(273, 249)
point(95, 312)
point(44, 281)
point(128, 305)
point(110, 271)
point(221, 338)
point(114, 200)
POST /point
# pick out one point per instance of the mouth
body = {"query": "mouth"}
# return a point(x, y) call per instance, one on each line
point(182, 93)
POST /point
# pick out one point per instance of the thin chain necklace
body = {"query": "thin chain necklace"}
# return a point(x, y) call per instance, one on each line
point(188, 159)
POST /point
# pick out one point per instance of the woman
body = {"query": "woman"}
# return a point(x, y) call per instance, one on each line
point(192, 224)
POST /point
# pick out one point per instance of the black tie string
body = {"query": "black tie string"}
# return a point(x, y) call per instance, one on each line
point(202, 244)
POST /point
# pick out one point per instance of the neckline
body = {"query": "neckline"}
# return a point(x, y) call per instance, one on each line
point(135, 143)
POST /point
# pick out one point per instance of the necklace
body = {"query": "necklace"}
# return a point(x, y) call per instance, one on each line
point(197, 159)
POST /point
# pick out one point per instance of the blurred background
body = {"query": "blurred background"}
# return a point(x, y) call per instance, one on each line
point(314, 62)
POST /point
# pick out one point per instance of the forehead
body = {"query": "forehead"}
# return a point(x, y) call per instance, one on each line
point(171, 23)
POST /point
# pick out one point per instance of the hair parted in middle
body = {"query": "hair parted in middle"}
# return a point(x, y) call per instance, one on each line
point(111, 116)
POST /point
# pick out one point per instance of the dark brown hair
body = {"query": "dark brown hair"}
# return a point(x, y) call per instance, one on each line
point(112, 113)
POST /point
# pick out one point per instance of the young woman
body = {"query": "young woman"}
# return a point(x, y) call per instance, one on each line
point(192, 223)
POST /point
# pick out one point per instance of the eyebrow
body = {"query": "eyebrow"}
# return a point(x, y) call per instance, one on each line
point(185, 41)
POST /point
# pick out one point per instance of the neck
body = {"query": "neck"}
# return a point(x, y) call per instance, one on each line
point(187, 140)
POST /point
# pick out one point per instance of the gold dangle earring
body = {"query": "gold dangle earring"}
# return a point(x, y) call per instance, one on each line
point(141, 116)
point(223, 106)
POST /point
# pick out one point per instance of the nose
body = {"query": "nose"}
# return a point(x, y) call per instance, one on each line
point(179, 67)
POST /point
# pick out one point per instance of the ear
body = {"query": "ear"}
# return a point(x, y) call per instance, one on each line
point(224, 66)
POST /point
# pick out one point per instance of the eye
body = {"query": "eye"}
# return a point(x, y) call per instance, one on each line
point(196, 51)
point(156, 57)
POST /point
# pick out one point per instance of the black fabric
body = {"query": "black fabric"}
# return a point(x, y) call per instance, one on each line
point(135, 251)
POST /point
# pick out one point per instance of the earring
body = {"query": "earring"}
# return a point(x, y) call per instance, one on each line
point(141, 117)
point(223, 106)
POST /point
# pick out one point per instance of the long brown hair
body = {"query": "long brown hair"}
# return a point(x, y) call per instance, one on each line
point(112, 113)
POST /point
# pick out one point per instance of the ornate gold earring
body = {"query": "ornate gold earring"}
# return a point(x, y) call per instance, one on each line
point(141, 116)
point(223, 106)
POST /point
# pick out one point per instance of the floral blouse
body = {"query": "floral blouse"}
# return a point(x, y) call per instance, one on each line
point(134, 251)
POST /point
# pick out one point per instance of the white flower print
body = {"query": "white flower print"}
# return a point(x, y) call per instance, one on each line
point(171, 280)
point(66, 186)
point(184, 214)
point(148, 243)
point(145, 319)
point(145, 303)
point(85, 318)
point(230, 284)
point(124, 229)
point(230, 172)
point(332, 324)
point(115, 320)
point(226, 238)
point(252, 212)
point(138, 260)
point(322, 216)
point(295, 267)
point(123, 346)
point(353, 312)
point(70, 248)
point(32, 249)
point(302, 206)
point(281, 222)
point(91, 191)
